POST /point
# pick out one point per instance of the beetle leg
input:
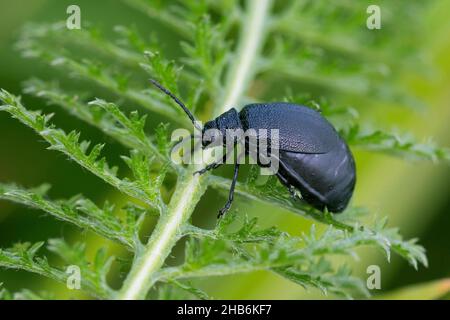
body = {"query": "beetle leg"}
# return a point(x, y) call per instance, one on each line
point(292, 190)
point(212, 166)
point(227, 205)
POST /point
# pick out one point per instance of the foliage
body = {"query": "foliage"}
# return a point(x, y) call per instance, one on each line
point(217, 74)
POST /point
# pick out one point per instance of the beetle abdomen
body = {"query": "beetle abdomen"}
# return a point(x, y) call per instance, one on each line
point(325, 180)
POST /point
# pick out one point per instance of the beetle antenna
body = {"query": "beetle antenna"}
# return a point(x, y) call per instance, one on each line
point(177, 101)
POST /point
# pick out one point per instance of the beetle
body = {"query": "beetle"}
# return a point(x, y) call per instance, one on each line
point(313, 158)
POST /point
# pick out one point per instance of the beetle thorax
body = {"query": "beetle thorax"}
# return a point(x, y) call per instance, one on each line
point(226, 121)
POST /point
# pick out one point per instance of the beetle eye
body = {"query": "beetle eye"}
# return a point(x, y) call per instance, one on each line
point(211, 137)
point(207, 140)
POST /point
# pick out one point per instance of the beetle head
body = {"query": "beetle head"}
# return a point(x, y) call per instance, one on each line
point(210, 134)
point(215, 131)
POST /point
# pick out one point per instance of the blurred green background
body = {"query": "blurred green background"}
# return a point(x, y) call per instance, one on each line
point(415, 195)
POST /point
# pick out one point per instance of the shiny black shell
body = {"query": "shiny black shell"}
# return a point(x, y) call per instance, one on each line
point(313, 157)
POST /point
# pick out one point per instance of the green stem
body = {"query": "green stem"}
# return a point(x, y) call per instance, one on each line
point(164, 237)
point(243, 69)
point(191, 187)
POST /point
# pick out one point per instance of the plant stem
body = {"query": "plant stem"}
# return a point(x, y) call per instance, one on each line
point(191, 187)
point(243, 69)
point(166, 234)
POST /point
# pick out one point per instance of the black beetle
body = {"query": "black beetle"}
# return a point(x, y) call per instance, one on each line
point(313, 158)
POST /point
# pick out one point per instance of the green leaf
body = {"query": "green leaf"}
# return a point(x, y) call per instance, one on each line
point(78, 211)
point(95, 273)
point(69, 144)
point(403, 146)
point(23, 257)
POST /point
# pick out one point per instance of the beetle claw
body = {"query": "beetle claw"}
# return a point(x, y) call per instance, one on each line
point(221, 213)
point(224, 210)
point(294, 193)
